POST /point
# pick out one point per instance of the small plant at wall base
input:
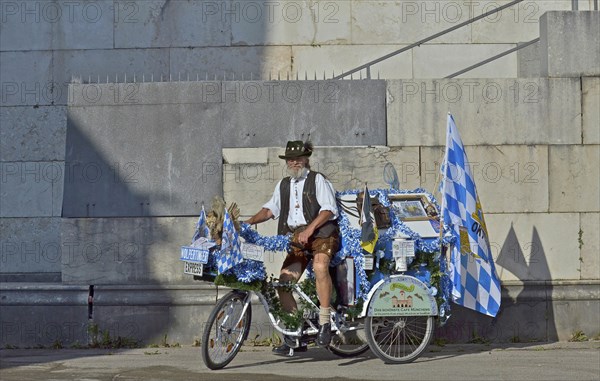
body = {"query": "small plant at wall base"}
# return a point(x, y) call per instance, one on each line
point(107, 341)
point(578, 336)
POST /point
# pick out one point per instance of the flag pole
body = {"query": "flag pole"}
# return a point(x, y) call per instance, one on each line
point(443, 192)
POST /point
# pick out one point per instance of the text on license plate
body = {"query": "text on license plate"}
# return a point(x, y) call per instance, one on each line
point(192, 268)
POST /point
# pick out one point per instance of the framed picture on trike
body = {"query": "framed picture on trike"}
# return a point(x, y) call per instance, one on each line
point(413, 207)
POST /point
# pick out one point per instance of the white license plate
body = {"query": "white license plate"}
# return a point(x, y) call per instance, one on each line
point(253, 252)
point(192, 268)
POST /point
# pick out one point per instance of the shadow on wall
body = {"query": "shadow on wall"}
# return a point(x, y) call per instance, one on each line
point(526, 313)
point(122, 259)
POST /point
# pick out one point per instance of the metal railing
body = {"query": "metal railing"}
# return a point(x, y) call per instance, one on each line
point(368, 65)
point(524, 45)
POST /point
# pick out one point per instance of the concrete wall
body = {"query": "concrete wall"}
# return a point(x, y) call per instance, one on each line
point(546, 158)
point(536, 174)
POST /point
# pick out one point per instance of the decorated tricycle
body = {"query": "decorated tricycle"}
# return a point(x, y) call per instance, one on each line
point(387, 299)
point(393, 278)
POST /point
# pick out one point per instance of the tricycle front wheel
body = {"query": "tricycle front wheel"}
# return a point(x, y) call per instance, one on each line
point(398, 339)
point(226, 329)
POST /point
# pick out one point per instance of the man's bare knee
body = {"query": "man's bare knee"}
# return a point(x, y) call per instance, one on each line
point(288, 277)
point(321, 264)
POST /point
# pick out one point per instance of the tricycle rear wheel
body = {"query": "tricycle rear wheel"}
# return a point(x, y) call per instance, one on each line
point(399, 339)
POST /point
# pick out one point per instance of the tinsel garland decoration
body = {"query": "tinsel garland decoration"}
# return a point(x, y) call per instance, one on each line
point(249, 271)
point(351, 244)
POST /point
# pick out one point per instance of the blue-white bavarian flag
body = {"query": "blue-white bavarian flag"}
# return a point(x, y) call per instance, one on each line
point(202, 229)
point(231, 253)
point(475, 283)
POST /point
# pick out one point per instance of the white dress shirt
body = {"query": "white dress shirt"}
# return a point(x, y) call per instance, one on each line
point(325, 198)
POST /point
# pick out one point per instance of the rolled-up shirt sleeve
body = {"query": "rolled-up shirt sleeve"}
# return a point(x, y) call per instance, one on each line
point(274, 204)
point(326, 196)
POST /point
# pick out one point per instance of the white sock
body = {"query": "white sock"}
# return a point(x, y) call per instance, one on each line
point(324, 315)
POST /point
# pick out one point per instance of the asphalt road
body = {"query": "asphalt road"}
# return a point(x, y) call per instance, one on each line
point(556, 361)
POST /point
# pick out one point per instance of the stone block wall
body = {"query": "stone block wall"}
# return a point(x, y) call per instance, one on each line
point(536, 139)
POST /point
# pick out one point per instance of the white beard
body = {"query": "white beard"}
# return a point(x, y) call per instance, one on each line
point(297, 173)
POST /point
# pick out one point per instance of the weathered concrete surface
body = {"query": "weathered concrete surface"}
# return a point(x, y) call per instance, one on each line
point(590, 245)
point(527, 361)
point(334, 59)
point(212, 63)
point(509, 178)
point(32, 133)
point(125, 250)
point(576, 166)
point(30, 247)
point(590, 91)
point(56, 25)
point(439, 61)
point(300, 22)
point(26, 78)
point(529, 62)
point(487, 111)
point(564, 52)
point(162, 173)
point(405, 22)
point(43, 314)
point(31, 188)
point(535, 246)
point(143, 24)
point(515, 24)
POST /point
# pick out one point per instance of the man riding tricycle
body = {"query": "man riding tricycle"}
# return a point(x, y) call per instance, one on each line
point(377, 275)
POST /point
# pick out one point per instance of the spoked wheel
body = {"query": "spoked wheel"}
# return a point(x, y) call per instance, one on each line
point(398, 339)
point(350, 343)
point(225, 330)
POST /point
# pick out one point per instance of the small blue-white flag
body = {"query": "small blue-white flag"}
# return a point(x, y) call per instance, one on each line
point(231, 253)
point(369, 233)
point(202, 230)
point(475, 283)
